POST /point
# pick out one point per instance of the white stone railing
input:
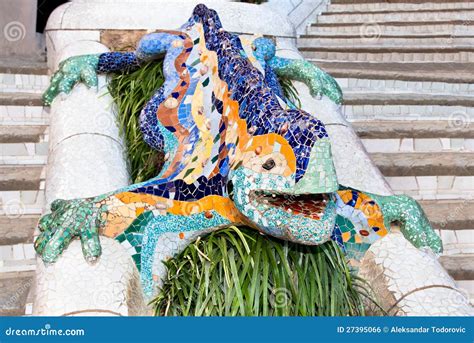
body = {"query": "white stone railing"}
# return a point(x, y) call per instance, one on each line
point(86, 158)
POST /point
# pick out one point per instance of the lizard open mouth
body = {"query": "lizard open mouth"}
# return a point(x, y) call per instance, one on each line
point(308, 205)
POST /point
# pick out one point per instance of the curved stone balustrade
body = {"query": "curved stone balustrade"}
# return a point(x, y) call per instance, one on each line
point(86, 158)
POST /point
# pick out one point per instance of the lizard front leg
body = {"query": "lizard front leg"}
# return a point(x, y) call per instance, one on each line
point(414, 224)
point(108, 215)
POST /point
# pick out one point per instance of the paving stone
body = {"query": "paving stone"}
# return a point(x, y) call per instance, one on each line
point(460, 267)
point(20, 99)
point(376, 98)
point(17, 230)
point(428, 144)
point(19, 65)
point(446, 181)
point(377, 53)
point(13, 294)
point(427, 182)
point(450, 214)
point(425, 163)
point(21, 133)
point(20, 178)
point(445, 72)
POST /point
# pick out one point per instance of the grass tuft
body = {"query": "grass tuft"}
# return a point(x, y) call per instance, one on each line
point(131, 91)
point(240, 272)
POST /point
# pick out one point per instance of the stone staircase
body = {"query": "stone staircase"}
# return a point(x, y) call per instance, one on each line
point(23, 153)
point(407, 73)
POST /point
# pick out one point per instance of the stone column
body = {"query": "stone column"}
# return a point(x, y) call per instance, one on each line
point(86, 158)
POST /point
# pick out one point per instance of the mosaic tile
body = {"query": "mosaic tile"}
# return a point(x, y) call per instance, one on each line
point(236, 153)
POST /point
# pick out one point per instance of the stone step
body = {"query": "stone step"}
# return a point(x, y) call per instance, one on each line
point(26, 83)
point(17, 258)
point(399, 86)
point(14, 289)
point(425, 163)
point(385, 98)
point(402, 2)
point(23, 151)
point(441, 187)
point(16, 203)
point(389, 129)
point(412, 145)
point(366, 53)
point(402, 17)
point(24, 115)
point(26, 160)
point(20, 65)
point(450, 215)
point(23, 133)
point(459, 116)
point(22, 109)
point(398, 6)
point(364, 38)
point(445, 72)
point(17, 230)
point(20, 177)
point(450, 27)
point(457, 242)
point(460, 267)
point(20, 99)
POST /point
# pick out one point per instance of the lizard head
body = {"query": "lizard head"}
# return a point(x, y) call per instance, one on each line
point(279, 199)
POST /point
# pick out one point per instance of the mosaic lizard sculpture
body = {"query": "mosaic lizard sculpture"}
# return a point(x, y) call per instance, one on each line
point(237, 153)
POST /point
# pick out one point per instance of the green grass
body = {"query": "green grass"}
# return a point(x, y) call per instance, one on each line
point(289, 91)
point(239, 272)
point(236, 271)
point(131, 91)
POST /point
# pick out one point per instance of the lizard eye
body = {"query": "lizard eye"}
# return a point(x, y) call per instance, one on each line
point(269, 164)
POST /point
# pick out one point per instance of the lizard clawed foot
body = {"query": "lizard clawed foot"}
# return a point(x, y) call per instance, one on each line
point(69, 219)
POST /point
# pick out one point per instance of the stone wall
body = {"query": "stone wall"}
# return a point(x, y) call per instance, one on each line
point(18, 24)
